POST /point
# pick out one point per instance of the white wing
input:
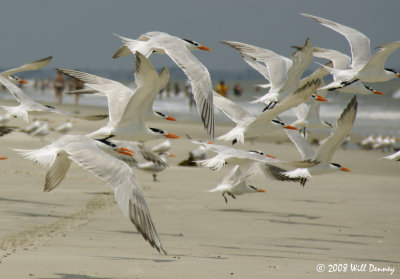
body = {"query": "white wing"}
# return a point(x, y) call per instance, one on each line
point(359, 43)
point(231, 109)
point(38, 64)
point(339, 60)
point(377, 61)
point(118, 95)
point(304, 148)
point(339, 132)
point(115, 173)
point(278, 65)
point(197, 73)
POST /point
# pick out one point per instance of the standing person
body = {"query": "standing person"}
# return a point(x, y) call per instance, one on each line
point(222, 89)
point(237, 90)
point(189, 93)
point(78, 86)
point(59, 85)
point(177, 90)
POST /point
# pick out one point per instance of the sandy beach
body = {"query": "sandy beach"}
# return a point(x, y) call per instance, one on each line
point(338, 222)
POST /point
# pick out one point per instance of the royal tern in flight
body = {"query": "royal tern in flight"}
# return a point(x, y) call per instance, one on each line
point(127, 108)
point(342, 61)
point(232, 155)
point(364, 66)
point(257, 161)
point(250, 125)
point(179, 51)
point(36, 65)
point(95, 157)
point(28, 105)
point(283, 73)
point(234, 183)
point(319, 162)
point(308, 116)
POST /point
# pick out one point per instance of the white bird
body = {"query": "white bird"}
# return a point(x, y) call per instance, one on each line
point(127, 108)
point(308, 117)
point(342, 61)
point(95, 157)
point(232, 155)
point(234, 183)
point(179, 51)
point(28, 105)
point(283, 73)
point(41, 131)
point(258, 125)
point(395, 156)
point(154, 168)
point(364, 66)
point(36, 65)
point(314, 163)
point(33, 126)
point(64, 128)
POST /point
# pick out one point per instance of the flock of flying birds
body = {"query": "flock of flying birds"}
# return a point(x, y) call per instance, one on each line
point(120, 141)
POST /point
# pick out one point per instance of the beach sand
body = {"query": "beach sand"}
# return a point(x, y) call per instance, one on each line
point(78, 232)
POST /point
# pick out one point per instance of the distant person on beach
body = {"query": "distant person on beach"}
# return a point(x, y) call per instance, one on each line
point(237, 90)
point(222, 89)
point(177, 90)
point(59, 85)
point(78, 86)
point(189, 93)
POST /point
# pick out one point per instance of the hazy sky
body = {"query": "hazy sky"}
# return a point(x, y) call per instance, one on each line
point(79, 33)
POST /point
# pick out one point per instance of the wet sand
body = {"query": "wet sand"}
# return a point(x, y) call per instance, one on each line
point(78, 232)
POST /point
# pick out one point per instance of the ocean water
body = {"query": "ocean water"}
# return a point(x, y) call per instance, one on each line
point(377, 115)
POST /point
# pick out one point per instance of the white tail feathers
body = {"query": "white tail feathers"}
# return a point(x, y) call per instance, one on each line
point(236, 133)
point(214, 163)
point(298, 173)
point(44, 156)
point(17, 112)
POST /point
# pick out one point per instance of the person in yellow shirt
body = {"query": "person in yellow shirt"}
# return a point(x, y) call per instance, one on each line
point(222, 89)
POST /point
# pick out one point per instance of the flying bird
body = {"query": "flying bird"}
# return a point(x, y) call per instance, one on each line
point(97, 157)
point(179, 51)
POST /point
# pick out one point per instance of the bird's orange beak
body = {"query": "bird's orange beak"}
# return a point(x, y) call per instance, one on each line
point(261, 190)
point(270, 156)
point(172, 136)
point(320, 98)
point(210, 142)
point(171, 155)
point(345, 169)
point(398, 75)
point(125, 151)
point(378, 92)
point(3, 158)
point(205, 48)
point(23, 81)
point(290, 127)
point(170, 118)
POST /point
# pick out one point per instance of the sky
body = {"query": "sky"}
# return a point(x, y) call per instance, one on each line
point(79, 33)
